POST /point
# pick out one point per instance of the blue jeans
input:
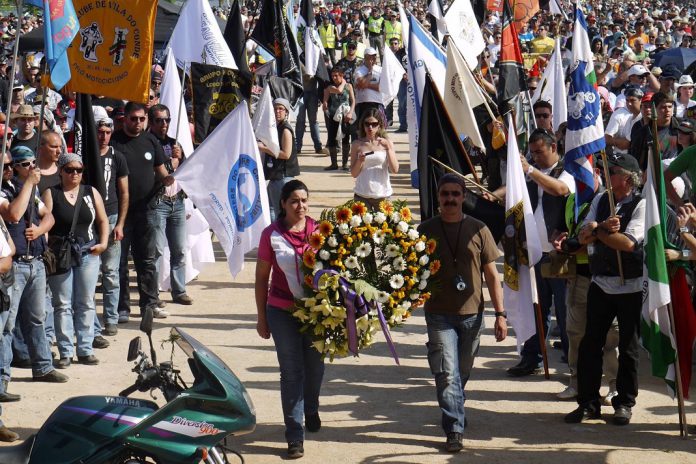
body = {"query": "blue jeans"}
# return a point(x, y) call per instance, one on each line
point(301, 371)
point(401, 98)
point(309, 105)
point(74, 307)
point(110, 262)
point(27, 298)
point(453, 342)
point(275, 188)
point(170, 229)
point(551, 292)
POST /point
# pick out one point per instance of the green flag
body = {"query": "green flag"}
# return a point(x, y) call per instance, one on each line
point(656, 329)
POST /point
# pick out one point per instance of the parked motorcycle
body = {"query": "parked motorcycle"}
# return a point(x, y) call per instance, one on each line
point(192, 427)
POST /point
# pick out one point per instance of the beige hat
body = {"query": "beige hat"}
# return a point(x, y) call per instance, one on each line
point(24, 111)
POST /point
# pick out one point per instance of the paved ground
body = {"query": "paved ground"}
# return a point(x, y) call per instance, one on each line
point(372, 410)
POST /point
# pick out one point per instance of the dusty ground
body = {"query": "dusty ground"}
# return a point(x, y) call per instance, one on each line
point(373, 410)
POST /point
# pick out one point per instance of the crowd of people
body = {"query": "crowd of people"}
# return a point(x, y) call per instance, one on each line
point(44, 203)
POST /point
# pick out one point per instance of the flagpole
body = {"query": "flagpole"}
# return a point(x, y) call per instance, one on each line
point(612, 205)
point(683, 425)
point(8, 95)
point(181, 102)
point(462, 176)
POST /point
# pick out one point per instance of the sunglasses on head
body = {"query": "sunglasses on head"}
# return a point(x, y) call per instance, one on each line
point(73, 170)
point(137, 118)
point(162, 120)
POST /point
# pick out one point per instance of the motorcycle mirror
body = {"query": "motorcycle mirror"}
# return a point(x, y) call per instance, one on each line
point(134, 349)
point(146, 323)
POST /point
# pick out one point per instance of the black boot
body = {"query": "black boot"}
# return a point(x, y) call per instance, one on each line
point(345, 152)
point(333, 153)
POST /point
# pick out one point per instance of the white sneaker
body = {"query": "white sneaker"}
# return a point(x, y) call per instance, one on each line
point(568, 394)
point(160, 313)
point(606, 401)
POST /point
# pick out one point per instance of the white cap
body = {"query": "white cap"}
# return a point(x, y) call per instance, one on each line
point(370, 51)
point(99, 112)
point(638, 70)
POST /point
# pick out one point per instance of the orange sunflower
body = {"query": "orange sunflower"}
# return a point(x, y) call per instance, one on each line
point(434, 266)
point(325, 228)
point(309, 258)
point(386, 206)
point(406, 214)
point(358, 208)
point(316, 240)
point(430, 246)
point(343, 215)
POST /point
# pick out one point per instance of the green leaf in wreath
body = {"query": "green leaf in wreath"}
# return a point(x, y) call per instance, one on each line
point(366, 289)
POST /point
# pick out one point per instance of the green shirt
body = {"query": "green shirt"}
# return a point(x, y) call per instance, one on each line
point(685, 162)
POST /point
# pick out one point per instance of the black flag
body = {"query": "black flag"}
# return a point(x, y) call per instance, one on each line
point(236, 39)
point(86, 143)
point(216, 92)
point(283, 88)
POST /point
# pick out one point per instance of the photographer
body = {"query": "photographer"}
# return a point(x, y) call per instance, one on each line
point(454, 315)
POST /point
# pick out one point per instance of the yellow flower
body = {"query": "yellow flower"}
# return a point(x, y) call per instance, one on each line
point(301, 315)
point(325, 228)
point(343, 215)
point(406, 214)
point(386, 207)
point(319, 330)
point(362, 323)
point(358, 208)
point(319, 345)
point(316, 240)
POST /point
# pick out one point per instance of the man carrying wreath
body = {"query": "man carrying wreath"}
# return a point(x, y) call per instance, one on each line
point(454, 314)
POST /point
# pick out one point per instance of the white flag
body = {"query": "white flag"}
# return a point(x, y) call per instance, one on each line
point(552, 87)
point(312, 51)
point(173, 98)
point(435, 10)
point(519, 287)
point(197, 37)
point(390, 79)
point(459, 85)
point(465, 31)
point(264, 122)
point(224, 179)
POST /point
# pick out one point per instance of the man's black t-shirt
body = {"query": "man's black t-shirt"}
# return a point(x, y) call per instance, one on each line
point(143, 153)
point(114, 166)
point(349, 67)
point(48, 180)
point(32, 142)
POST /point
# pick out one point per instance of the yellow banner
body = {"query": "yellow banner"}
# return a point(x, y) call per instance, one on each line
point(112, 52)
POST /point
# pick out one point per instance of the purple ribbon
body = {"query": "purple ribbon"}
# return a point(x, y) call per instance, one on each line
point(356, 304)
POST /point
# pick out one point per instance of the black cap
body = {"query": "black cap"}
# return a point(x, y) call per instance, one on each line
point(687, 126)
point(627, 162)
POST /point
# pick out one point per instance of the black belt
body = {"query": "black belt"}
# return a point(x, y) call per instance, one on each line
point(179, 194)
point(27, 258)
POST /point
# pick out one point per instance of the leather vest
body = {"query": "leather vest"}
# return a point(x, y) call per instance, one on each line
point(554, 207)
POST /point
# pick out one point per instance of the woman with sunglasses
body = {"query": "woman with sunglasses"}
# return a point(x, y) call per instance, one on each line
point(73, 291)
point(372, 159)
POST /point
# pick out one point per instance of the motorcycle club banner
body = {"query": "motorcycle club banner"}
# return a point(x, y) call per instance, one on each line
point(112, 51)
point(216, 92)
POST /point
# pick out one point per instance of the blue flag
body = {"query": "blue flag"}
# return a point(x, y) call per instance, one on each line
point(60, 28)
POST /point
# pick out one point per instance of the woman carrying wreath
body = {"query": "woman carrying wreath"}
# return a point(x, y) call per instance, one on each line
point(281, 248)
point(372, 159)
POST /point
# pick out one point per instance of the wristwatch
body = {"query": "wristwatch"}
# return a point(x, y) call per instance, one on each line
point(502, 314)
point(684, 230)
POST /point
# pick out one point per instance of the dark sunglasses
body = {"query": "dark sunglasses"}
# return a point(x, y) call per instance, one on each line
point(450, 193)
point(371, 124)
point(152, 97)
point(26, 164)
point(137, 118)
point(73, 170)
point(6, 167)
point(162, 120)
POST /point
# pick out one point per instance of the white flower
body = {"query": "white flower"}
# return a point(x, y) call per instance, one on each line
point(425, 274)
point(402, 226)
point(414, 296)
point(363, 250)
point(324, 254)
point(392, 250)
point(382, 297)
point(405, 305)
point(423, 260)
point(387, 268)
point(420, 246)
point(368, 218)
point(380, 217)
point(318, 266)
point(396, 281)
point(355, 221)
point(333, 243)
point(399, 264)
point(422, 284)
point(395, 217)
point(413, 234)
point(351, 262)
point(343, 228)
point(378, 237)
point(346, 275)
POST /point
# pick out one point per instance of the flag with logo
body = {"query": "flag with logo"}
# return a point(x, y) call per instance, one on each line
point(465, 31)
point(552, 87)
point(112, 52)
point(235, 37)
point(461, 96)
point(521, 246)
point(585, 133)
point(512, 79)
point(197, 37)
point(172, 97)
point(86, 143)
point(655, 326)
point(264, 123)
point(216, 92)
point(438, 27)
point(425, 55)
point(224, 179)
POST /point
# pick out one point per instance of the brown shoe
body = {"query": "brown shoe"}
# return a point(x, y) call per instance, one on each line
point(183, 300)
point(7, 435)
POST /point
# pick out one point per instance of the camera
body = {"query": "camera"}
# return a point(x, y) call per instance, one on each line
point(459, 283)
point(571, 245)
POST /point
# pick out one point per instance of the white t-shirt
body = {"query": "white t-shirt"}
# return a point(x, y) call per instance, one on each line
point(620, 125)
point(368, 95)
point(5, 249)
point(567, 179)
point(373, 180)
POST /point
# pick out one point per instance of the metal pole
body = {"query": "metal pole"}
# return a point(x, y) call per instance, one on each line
point(612, 206)
point(683, 425)
point(462, 176)
point(181, 102)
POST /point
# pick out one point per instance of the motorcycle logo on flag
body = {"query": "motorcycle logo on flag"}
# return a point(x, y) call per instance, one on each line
point(119, 45)
point(244, 192)
point(91, 38)
point(583, 104)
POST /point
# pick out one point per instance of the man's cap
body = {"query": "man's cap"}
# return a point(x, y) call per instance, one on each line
point(352, 43)
point(99, 112)
point(647, 98)
point(24, 111)
point(105, 122)
point(638, 70)
point(283, 102)
point(156, 76)
point(627, 162)
point(119, 112)
point(451, 179)
point(687, 126)
point(370, 51)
